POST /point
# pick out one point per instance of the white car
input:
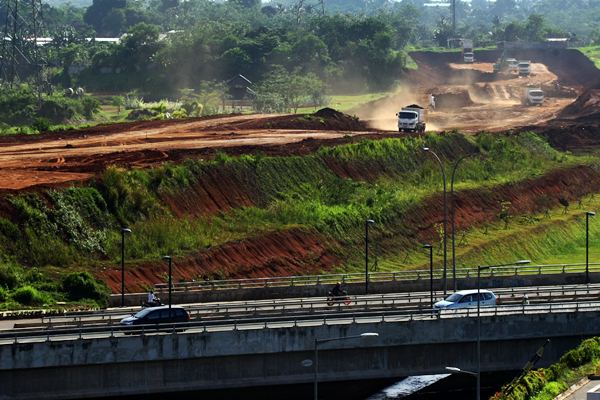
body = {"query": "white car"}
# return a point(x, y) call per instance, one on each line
point(467, 299)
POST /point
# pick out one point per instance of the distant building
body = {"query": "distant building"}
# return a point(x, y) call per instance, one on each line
point(240, 88)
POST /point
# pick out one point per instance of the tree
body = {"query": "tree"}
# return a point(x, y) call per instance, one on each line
point(245, 3)
point(118, 101)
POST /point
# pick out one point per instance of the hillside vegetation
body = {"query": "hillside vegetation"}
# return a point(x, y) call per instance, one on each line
point(199, 206)
point(547, 383)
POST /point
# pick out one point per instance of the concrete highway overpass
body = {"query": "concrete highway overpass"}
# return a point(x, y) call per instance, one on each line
point(104, 362)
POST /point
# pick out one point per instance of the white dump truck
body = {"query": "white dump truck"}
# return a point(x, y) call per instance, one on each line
point(467, 51)
point(524, 68)
point(411, 118)
point(533, 96)
point(512, 65)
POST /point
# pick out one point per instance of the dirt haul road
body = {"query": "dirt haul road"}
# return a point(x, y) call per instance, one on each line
point(475, 102)
point(57, 159)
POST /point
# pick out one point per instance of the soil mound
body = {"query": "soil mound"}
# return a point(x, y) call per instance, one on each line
point(326, 119)
point(587, 106)
point(452, 100)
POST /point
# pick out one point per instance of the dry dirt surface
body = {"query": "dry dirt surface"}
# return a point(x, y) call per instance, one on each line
point(59, 158)
point(472, 99)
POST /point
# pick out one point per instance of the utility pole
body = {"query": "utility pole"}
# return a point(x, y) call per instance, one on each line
point(454, 18)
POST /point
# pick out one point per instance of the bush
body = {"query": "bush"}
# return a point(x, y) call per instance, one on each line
point(29, 296)
point(82, 285)
point(3, 294)
point(9, 276)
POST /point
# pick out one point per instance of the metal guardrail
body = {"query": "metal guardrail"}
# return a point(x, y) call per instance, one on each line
point(286, 321)
point(318, 304)
point(406, 275)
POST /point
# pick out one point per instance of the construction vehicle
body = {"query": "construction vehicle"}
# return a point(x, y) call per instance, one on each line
point(524, 68)
point(501, 65)
point(512, 65)
point(467, 51)
point(532, 96)
point(411, 118)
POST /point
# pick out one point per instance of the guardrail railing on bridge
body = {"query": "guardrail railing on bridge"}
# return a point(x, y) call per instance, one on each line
point(290, 321)
point(407, 275)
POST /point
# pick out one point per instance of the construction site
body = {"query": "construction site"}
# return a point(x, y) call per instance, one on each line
point(470, 99)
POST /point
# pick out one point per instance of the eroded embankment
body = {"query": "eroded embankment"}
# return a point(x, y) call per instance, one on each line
point(533, 196)
point(299, 251)
point(288, 252)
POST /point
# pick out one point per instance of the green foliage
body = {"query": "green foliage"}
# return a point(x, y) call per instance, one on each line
point(82, 285)
point(10, 276)
point(3, 294)
point(546, 384)
point(30, 296)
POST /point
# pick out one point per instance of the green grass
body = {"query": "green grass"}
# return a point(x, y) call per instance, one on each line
point(547, 383)
point(345, 102)
point(593, 53)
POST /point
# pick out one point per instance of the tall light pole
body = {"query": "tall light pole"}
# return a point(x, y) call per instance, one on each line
point(479, 269)
point(453, 17)
point(170, 260)
point(453, 216)
point(587, 245)
point(430, 247)
point(316, 351)
point(445, 274)
point(367, 223)
point(123, 232)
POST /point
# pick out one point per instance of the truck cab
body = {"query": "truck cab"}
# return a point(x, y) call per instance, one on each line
point(411, 119)
point(533, 96)
point(469, 57)
point(524, 68)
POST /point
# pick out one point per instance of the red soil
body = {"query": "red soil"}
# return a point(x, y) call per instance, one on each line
point(292, 252)
point(474, 207)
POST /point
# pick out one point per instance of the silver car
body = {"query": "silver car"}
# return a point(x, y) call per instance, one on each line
point(467, 299)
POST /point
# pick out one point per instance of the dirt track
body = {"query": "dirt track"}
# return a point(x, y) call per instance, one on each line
point(55, 159)
point(476, 101)
point(470, 98)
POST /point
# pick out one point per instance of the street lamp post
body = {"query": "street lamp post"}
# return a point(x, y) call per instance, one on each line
point(367, 223)
point(587, 245)
point(316, 351)
point(453, 216)
point(439, 161)
point(479, 269)
point(123, 232)
point(430, 247)
point(170, 260)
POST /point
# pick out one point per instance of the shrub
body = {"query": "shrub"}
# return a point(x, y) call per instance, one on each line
point(3, 294)
point(9, 276)
point(82, 285)
point(29, 296)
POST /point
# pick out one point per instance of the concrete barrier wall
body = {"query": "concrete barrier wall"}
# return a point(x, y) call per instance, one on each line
point(207, 295)
point(197, 361)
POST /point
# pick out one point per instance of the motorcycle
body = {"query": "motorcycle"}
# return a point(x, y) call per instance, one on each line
point(344, 298)
point(155, 303)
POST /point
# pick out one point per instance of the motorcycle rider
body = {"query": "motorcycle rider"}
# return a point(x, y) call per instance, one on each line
point(337, 290)
point(152, 299)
